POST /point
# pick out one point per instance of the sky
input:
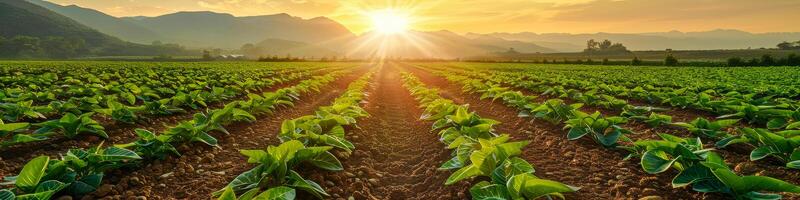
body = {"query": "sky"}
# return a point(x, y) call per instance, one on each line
point(488, 16)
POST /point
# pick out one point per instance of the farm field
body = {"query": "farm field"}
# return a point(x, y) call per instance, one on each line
point(396, 130)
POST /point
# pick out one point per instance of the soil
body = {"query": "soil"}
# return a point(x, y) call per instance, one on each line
point(396, 154)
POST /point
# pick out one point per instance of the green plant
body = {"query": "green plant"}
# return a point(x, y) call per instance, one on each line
point(705, 128)
point(77, 173)
point(120, 113)
point(603, 130)
point(275, 170)
point(15, 111)
point(17, 129)
point(655, 120)
point(747, 187)
point(71, 125)
point(151, 146)
point(783, 145)
point(553, 111)
point(161, 107)
point(639, 112)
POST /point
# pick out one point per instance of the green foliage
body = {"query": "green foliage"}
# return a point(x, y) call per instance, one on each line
point(120, 112)
point(478, 151)
point(708, 129)
point(275, 168)
point(71, 125)
point(603, 130)
point(78, 172)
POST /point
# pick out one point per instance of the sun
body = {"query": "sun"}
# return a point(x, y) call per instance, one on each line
point(389, 22)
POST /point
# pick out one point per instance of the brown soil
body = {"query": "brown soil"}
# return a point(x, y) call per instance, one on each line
point(601, 173)
point(396, 154)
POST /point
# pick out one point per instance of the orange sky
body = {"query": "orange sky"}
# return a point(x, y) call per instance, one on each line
point(486, 16)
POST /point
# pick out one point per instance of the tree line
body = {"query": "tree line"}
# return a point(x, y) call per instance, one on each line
point(57, 47)
point(789, 45)
point(49, 47)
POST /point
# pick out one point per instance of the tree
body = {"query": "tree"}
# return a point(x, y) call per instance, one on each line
point(753, 62)
point(207, 55)
point(767, 60)
point(792, 60)
point(605, 45)
point(670, 60)
point(25, 46)
point(735, 62)
point(591, 45)
point(636, 61)
point(785, 45)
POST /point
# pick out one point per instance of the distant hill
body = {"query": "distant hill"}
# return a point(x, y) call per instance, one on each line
point(58, 36)
point(102, 22)
point(209, 29)
point(23, 18)
point(282, 48)
point(714, 39)
point(419, 44)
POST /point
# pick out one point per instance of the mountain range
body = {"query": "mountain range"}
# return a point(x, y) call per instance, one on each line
point(51, 33)
point(281, 34)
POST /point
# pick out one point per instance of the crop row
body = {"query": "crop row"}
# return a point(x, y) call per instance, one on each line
point(763, 81)
point(479, 152)
point(308, 139)
point(80, 171)
point(697, 166)
point(781, 145)
point(80, 121)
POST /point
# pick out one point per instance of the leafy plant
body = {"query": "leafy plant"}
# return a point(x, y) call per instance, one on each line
point(151, 146)
point(79, 172)
point(15, 111)
point(603, 130)
point(655, 120)
point(71, 125)
point(161, 107)
point(553, 111)
point(120, 113)
point(781, 145)
point(639, 112)
point(705, 128)
point(274, 173)
point(747, 187)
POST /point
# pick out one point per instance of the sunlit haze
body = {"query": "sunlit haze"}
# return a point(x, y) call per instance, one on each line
point(486, 16)
point(389, 21)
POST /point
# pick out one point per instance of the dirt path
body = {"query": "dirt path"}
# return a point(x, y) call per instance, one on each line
point(396, 155)
point(601, 173)
point(201, 169)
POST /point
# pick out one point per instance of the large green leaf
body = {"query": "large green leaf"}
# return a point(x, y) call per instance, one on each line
point(7, 195)
point(463, 173)
point(760, 153)
point(32, 173)
point(277, 193)
point(115, 153)
point(654, 161)
point(487, 191)
point(326, 161)
point(227, 194)
point(530, 187)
